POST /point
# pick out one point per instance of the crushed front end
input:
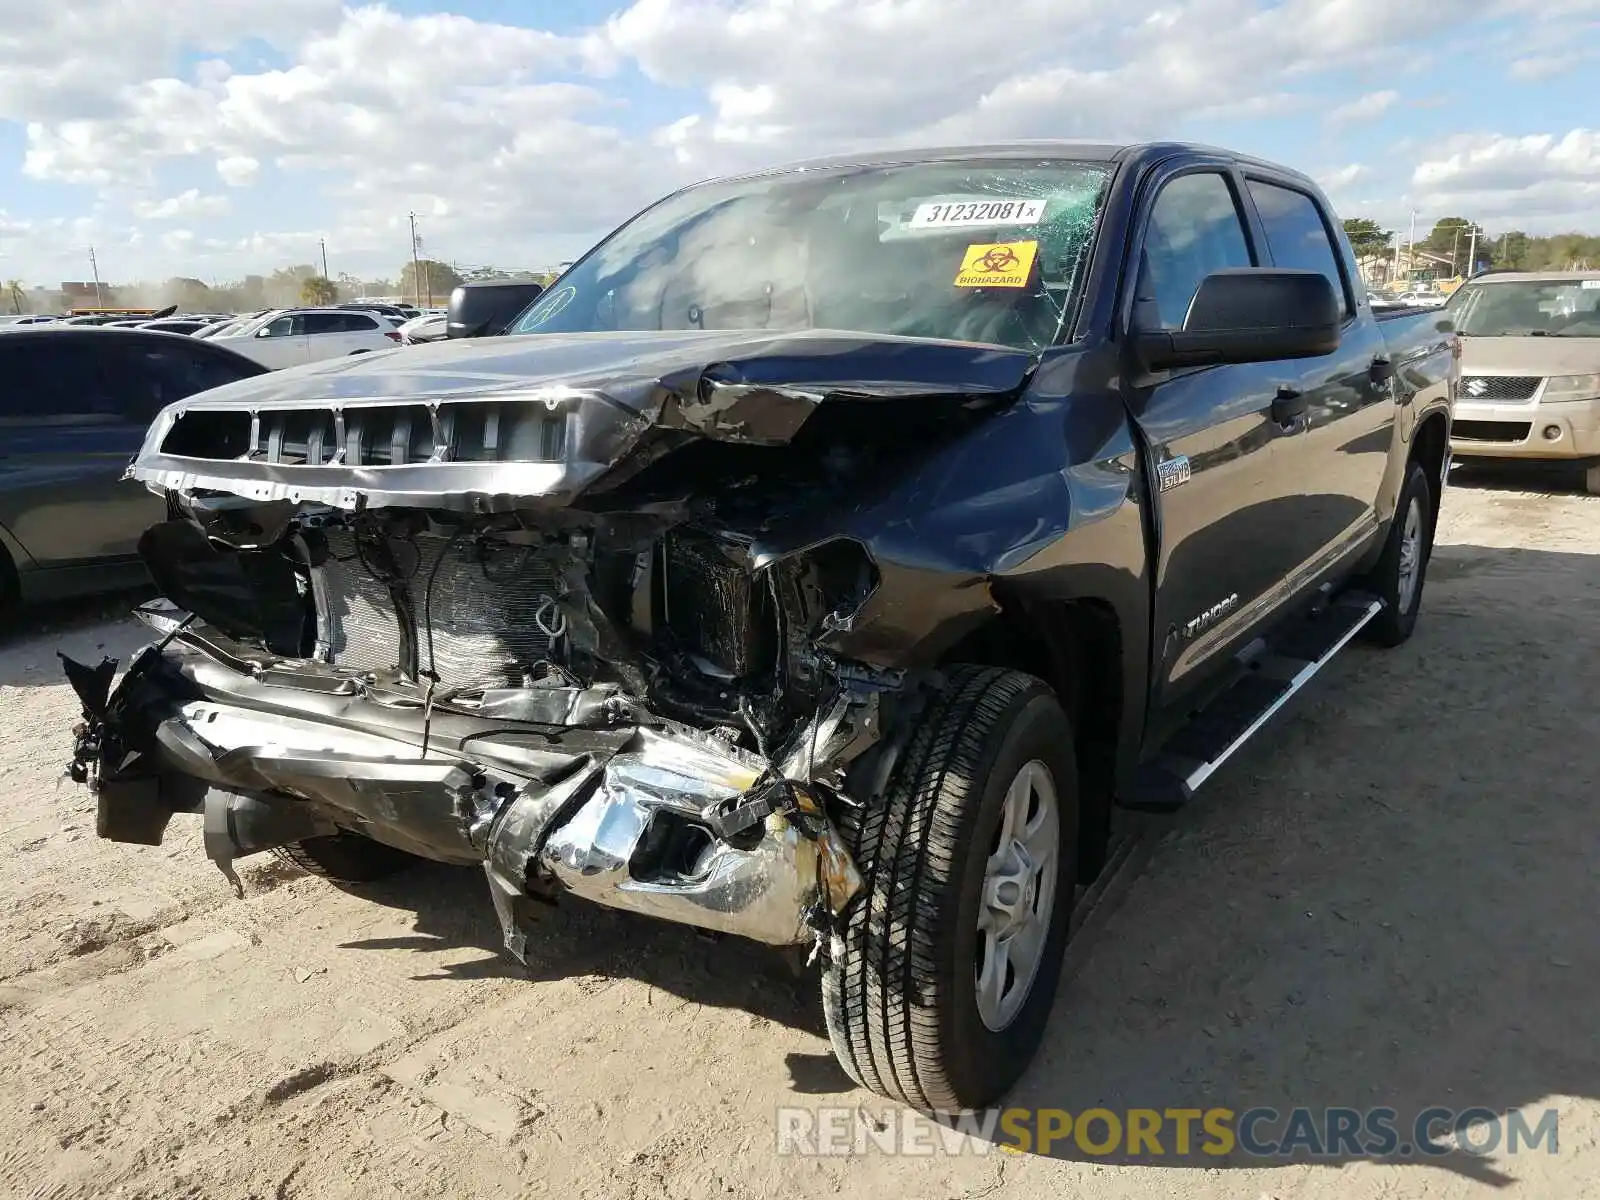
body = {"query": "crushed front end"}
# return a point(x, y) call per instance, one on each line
point(527, 627)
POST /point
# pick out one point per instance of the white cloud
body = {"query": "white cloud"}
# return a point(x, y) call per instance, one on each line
point(1335, 178)
point(184, 206)
point(830, 73)
point(504, 138)
point(239, 170)
point(1544, 181)
point(1364, 108)
point(483, 126)
point(70, 60)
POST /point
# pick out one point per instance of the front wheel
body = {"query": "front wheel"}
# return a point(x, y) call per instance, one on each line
point(1591, 479)
point(940, 981)
point(1403, 566)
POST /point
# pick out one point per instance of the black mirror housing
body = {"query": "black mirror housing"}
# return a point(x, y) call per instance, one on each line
point(1248, 315)
point(486, 308)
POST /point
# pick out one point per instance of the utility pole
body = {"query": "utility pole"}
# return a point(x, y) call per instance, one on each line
point(94, 267)
point(1411, 248)
point(323, 242)
point(1472, 253)
point(417, 281)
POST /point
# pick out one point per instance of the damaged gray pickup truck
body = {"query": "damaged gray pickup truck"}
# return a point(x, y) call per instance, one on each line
point(818, 561)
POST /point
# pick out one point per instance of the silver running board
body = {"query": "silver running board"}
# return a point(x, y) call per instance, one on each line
point(1293, 684)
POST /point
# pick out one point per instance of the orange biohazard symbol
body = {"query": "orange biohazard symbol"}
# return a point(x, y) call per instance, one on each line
point(997, 264)
point(997, 258)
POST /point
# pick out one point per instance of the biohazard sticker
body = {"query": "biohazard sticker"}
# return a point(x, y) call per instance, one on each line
point(997, 264)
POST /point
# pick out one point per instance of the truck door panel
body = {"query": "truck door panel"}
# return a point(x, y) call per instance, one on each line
point(1223, 512)
point(68, 438)
point(1340, 461)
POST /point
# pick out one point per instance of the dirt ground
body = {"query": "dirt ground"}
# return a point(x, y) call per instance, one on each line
point(1389, 901)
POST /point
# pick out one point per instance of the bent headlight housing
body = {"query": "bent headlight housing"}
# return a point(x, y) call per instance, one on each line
point(1571, 387)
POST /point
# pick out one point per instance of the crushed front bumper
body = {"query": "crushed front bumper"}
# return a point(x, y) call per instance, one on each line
point(634, 814)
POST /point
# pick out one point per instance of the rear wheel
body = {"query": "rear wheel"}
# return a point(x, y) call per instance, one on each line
point(1403, 567)
point(345, 857)
point(1591, 480)
point(941, 980)
point(10, 585)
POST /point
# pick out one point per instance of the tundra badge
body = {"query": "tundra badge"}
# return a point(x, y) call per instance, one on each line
point(1209, 618)
point(1172, 473)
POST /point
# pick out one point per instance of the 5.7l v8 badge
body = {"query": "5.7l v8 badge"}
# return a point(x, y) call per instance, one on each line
point(1172, 473)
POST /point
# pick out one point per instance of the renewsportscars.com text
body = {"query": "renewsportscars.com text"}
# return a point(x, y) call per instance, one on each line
point(1334, 1132)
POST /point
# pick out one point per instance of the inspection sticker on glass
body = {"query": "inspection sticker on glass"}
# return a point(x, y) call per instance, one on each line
point(1587, 284)
point(954, 214)
point(997, 264)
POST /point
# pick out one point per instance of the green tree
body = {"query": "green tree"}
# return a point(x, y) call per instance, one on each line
point(318, 291)
point(436, 280)
point(1445, 235)
point(1451, 237)
point(1367, 239)
point(14, 296)
point(1511, 249)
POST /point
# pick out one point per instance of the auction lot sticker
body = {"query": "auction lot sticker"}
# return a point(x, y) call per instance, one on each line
point(997, 264)
point(977, 212)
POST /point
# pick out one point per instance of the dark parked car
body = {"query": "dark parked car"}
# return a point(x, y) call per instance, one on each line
point(185, 325)
point(849, 541)
point(74, 406)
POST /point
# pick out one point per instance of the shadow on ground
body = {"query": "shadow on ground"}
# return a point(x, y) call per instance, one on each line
point(1556, 478)
point(452, 909)
point(88, 630)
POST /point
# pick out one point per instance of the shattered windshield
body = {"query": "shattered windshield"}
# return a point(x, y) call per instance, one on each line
point(988, 252)
point(1540, 308)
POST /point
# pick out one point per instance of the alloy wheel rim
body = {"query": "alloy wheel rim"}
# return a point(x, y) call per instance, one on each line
point(1410, 555)
point(1018, 897)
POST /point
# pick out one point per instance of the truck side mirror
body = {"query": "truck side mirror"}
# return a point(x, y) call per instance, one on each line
point(1249, 315)
point(487, 308)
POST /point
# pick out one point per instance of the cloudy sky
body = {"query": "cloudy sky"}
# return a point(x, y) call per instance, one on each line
point(216, 137)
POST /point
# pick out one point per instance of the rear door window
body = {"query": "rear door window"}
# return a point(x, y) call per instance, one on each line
point(338, 322)
point(55, 380)
point(152, 377)
point(1297, 236)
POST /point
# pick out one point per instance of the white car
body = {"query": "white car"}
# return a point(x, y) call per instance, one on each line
point(429, 327)
point(289, 337)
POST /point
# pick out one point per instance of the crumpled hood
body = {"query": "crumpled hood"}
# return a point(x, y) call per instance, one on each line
point(481, 424)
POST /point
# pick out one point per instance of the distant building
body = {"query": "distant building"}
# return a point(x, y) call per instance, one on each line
point(87, 295)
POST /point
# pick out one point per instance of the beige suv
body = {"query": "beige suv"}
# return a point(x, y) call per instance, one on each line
point(1530, 368)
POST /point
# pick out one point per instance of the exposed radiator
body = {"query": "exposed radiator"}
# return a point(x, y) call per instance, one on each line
point(486, 610)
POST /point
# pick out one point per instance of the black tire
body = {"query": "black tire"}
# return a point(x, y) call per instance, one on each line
point(900, 991)
point(10, 583)
point(1395, 623)
point(345, 857)
point(1591, 479)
